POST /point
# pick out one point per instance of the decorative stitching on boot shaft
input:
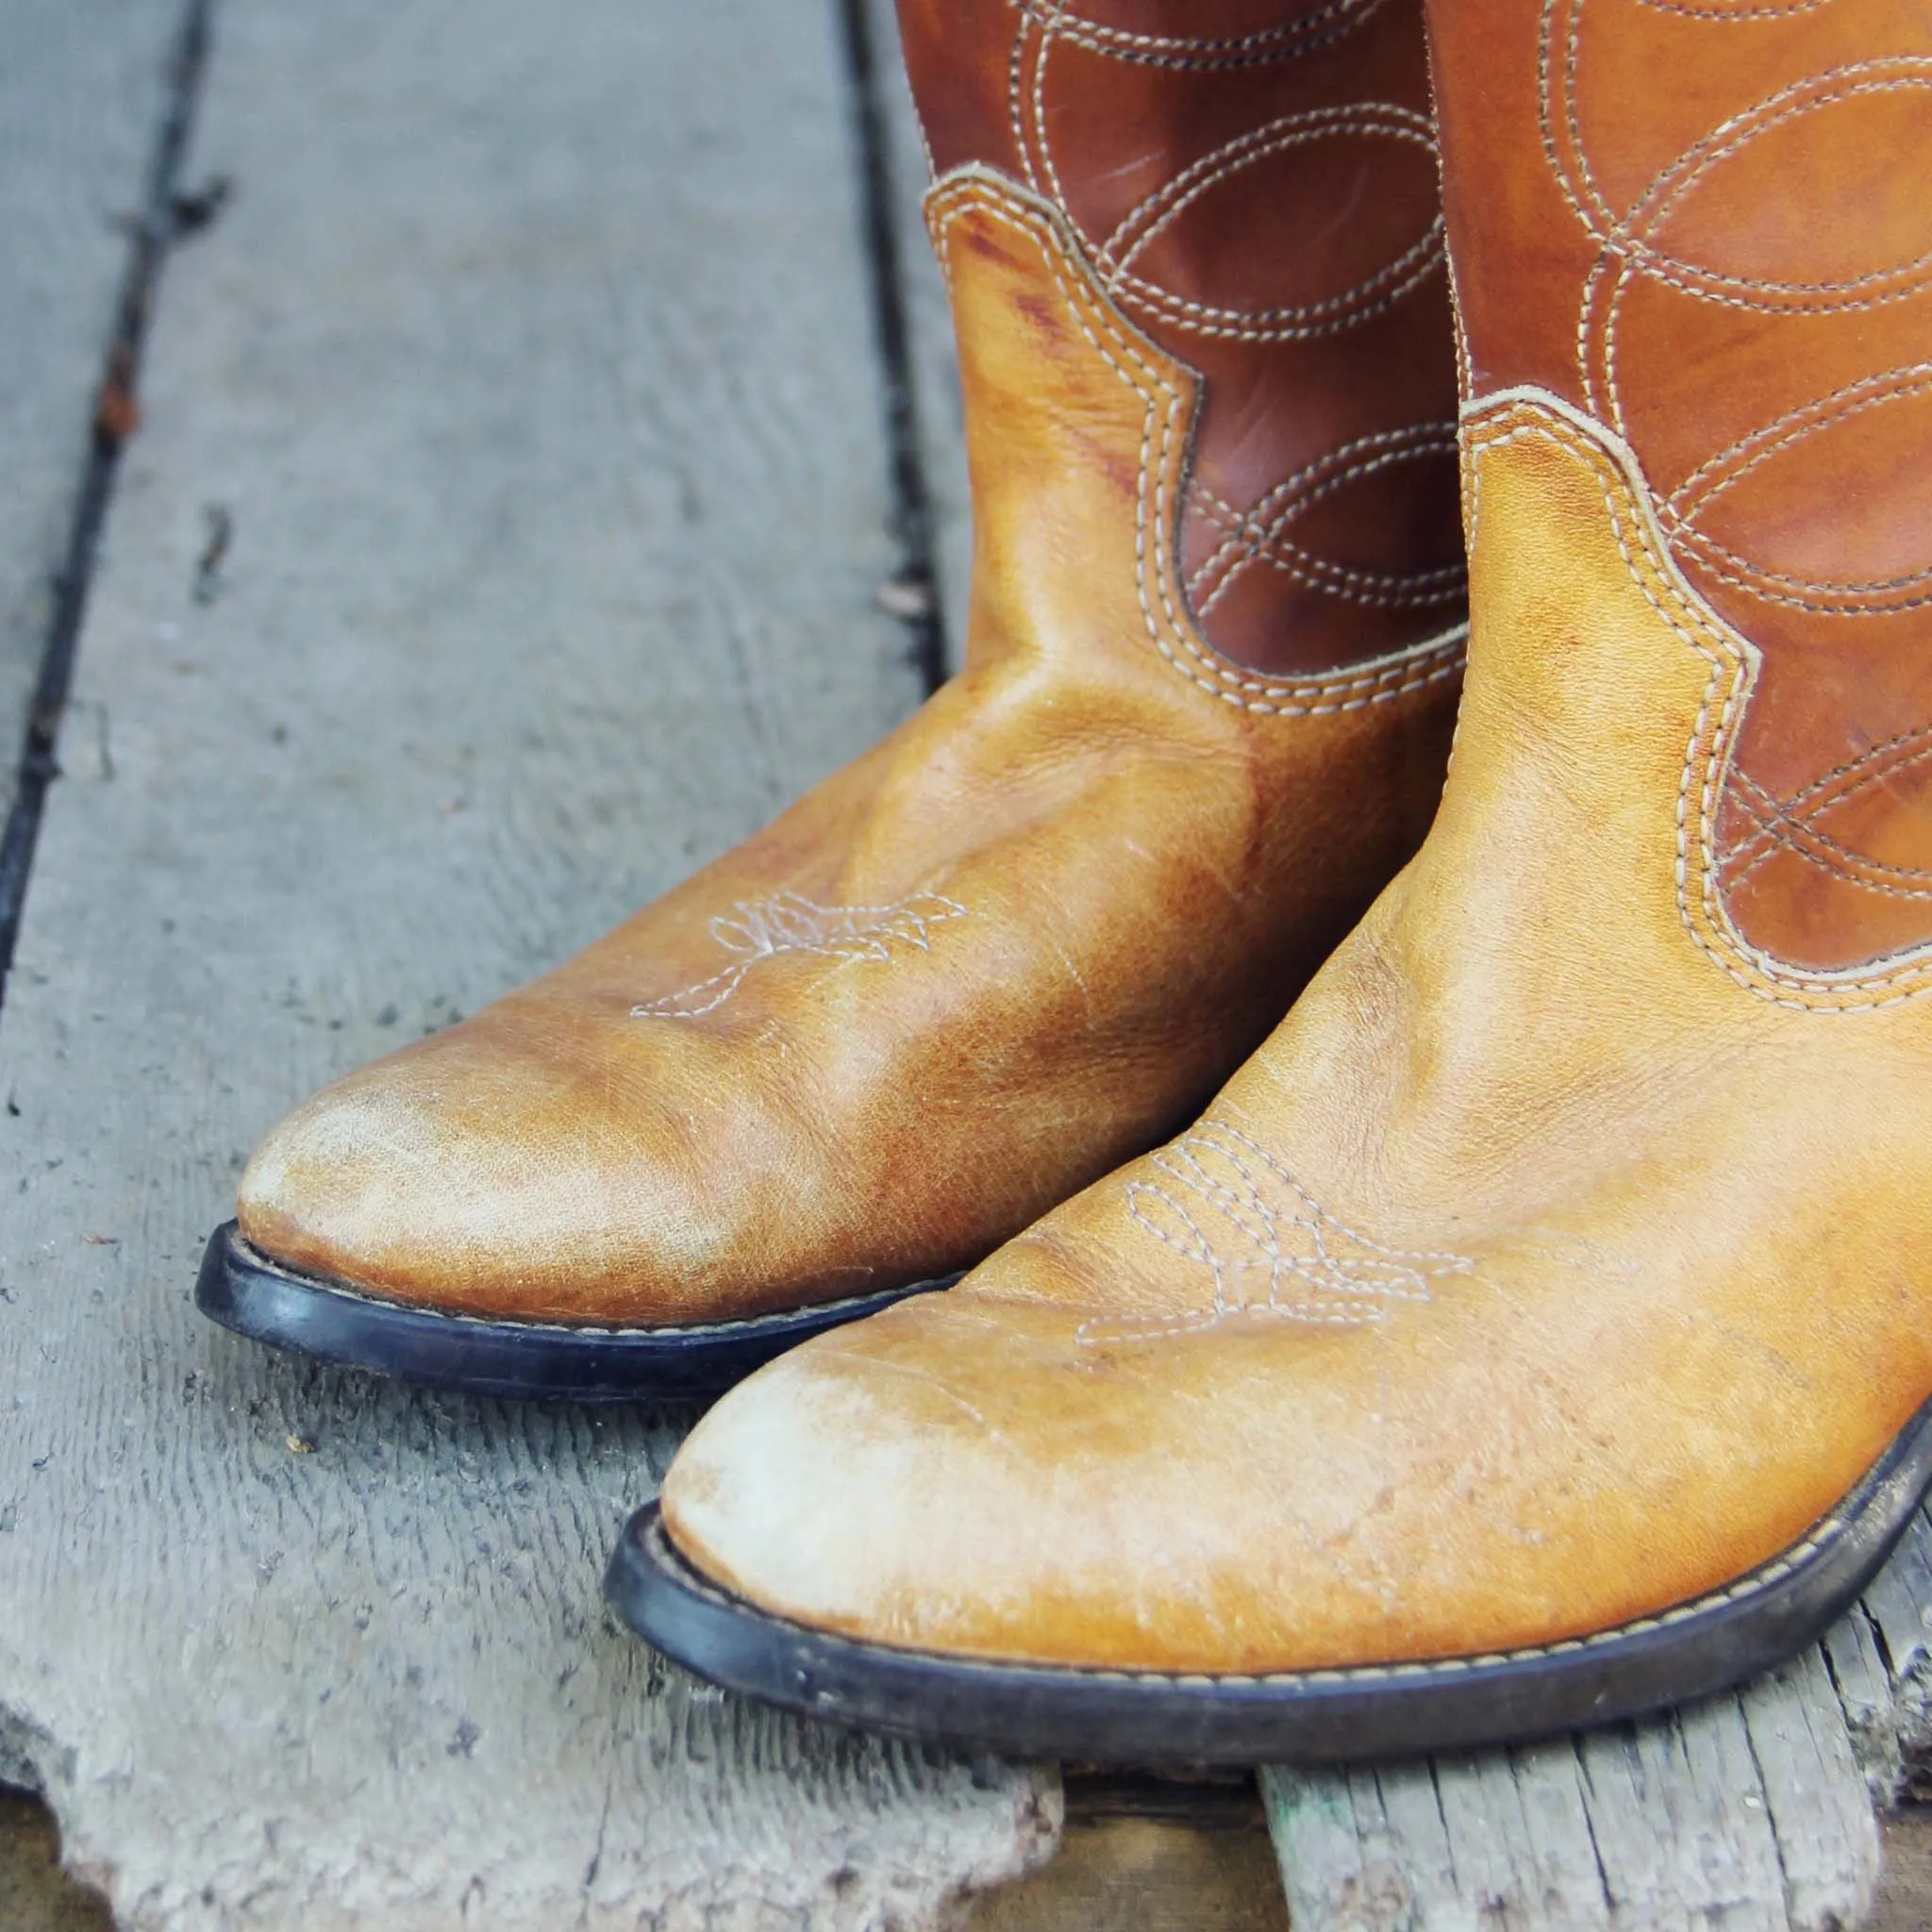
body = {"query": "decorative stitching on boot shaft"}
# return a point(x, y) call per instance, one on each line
point(1321, 28)
point(1164, 442)
point(1524, 415)
point(1173, 262)
point(1712, 217)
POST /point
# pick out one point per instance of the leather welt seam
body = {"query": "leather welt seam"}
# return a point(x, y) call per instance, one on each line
point(1167, 422)
point(1520, 418)
point(1754, 1584)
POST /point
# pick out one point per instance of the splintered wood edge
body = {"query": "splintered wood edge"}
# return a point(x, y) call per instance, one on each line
point(1754, 1802)
point(1881, 1658)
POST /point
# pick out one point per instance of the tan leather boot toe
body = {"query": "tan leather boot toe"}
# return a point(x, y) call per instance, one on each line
point(1215, 638)
point(1538, 1328)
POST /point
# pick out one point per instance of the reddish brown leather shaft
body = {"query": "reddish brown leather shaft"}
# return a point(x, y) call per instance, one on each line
point(1253, 185)
point(1707, 226)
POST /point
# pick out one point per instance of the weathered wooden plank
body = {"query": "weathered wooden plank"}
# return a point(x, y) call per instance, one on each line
point(1858, 1671)
point(1905, 1888)
point(1678, 1818)
point(81, 96)
point(1897, 1610)
point(1515, 1827)
point(1192, 1859)
point(1737, 1814)
point(1814, 1793)
point(531, 367)
point(1360, 1845)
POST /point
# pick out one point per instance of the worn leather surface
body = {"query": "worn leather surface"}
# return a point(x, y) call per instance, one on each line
point(1555, 1262)
point(1707, 224)
point(1017, 942)
point(1255, 185)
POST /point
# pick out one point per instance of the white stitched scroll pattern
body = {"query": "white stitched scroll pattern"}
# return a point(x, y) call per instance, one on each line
point(1262, 1244)
point(1639, 247)
point(1125, 251)
point(755, 930)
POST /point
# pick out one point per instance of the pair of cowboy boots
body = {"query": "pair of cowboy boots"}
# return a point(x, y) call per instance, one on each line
point(1532, 1328)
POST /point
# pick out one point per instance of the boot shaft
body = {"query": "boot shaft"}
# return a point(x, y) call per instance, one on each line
point(1705, 226)
point(1255, 198)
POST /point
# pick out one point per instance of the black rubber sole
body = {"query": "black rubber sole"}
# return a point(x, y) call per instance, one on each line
point(245, 1290)
point(1133, 1717)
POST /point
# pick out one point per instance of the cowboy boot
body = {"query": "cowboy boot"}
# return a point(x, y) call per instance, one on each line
point(1216, 631)
point(1538, 1328)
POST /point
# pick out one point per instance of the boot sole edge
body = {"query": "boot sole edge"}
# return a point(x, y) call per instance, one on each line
point(1693, 1650)
point(254, 1295)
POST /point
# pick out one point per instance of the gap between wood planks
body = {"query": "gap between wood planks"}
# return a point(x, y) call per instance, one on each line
point(914, 590)
point(161, 217)
point(1188, 1866)
point(158, 223)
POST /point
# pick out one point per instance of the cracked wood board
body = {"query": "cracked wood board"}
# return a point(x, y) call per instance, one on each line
point(532, 367)
point(82, 87)
point(1743, 1813)
point(1881, 1658)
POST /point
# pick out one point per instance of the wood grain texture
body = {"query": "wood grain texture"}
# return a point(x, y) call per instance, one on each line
point(81, 92)
point(1745, 1811)
point(1905, 1890)
point(1882, 1658)
point(531, 365)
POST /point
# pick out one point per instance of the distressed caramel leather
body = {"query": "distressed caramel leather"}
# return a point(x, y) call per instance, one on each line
point(1253, 185)
point(1567, 1253)
point(1018, 941)
point(1707, 223)
point(1557, 1261)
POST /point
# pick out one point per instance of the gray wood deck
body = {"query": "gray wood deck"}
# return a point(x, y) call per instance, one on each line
point(533, 369)
point(82, 94)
